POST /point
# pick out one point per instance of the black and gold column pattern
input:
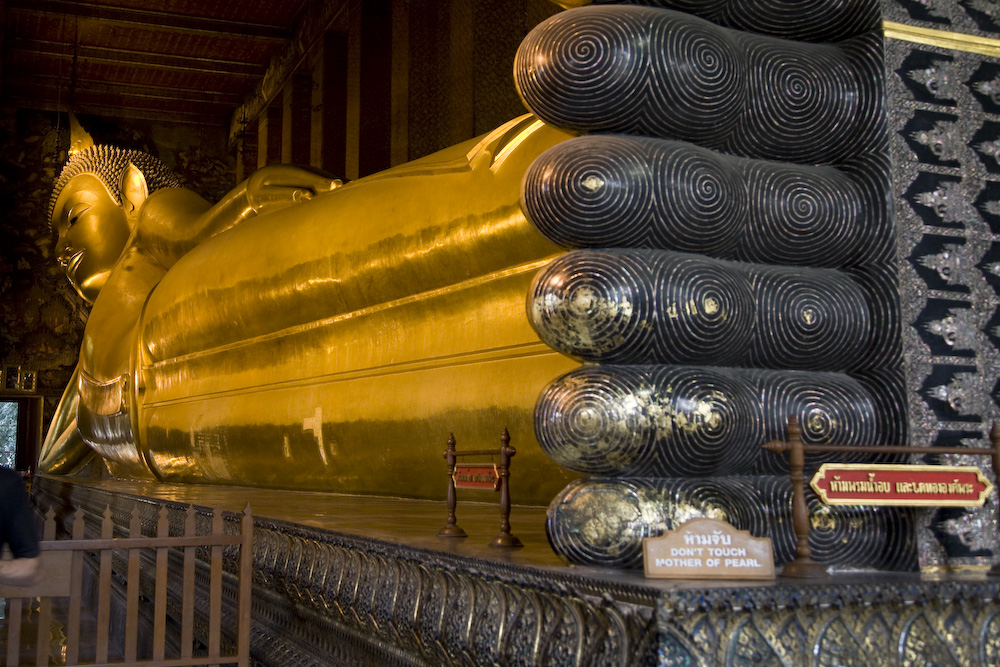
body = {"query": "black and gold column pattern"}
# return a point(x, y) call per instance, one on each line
point(733, 262)
point(943, 73)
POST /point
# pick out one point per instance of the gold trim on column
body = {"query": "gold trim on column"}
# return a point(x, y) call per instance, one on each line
point(947, 40)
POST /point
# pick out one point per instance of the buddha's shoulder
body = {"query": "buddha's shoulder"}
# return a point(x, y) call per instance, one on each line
point(172, 201)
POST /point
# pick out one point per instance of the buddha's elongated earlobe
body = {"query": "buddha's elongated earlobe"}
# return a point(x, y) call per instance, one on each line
point(134, 192)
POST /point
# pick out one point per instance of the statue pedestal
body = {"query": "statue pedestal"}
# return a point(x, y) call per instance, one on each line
point(332, 587)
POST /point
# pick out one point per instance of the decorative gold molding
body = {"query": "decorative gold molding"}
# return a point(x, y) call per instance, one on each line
point(956, 41)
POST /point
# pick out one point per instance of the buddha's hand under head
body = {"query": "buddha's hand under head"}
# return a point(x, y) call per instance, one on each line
point(278, 185)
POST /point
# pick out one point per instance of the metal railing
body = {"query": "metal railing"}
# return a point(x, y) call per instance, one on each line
point(61, 591)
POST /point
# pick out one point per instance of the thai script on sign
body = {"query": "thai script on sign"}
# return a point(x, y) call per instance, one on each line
point(854, 486)
point(871, 486)
point(717, 537)
point(880, 484)
point(936, 487)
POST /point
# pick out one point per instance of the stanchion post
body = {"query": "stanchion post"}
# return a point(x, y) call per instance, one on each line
point(451, 529)
point(995, 458)
point(803, 567)
point(505, 539)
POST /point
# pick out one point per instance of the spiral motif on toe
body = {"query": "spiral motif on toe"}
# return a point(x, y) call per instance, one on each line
point(807, 318)
point(602, 522)
point(673, 421)
point(774, 493)
point(705, 310)
point(887, 389)
point(667, 74)
point(699, 80)
point(877, 537)
point(642, 306)
point(595, 304)
point(806, 20)
point(707, 9)
point(619, 191)
point(870, 173)
point(729, 499)
point(716, 425)
point(805, 108)
point(649, 306)
point(883, 538)
point(602, 68)
point(599, 421)
point(832, 408)
point(866, 57)
point(802, 216)
point(656, 421)
point(881, 290)
point(595, 191)
point(580, 73)
point(701, 199)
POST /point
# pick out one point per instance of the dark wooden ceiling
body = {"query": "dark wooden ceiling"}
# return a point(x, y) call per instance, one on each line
point(176, 61)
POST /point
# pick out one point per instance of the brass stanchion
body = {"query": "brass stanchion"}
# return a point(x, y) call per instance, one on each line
point(505, 539)
point(502, 484)
point(451, 529)
point(803, 567)
point(995, 458)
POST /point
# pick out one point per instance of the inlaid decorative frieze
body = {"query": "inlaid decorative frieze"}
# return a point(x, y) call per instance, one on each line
point(962, 16)
point(946, 173)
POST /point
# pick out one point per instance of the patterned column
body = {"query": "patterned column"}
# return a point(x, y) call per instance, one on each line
point(943, 80)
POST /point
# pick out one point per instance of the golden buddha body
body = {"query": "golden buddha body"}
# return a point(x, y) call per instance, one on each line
point(304, 334)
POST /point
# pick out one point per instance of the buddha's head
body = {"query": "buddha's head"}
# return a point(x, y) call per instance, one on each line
point(94, 208)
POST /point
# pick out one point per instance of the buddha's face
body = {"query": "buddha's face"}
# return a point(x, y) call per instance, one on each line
point(93, 231)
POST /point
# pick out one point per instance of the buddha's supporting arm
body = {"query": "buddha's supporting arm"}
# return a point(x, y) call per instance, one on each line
point(172, 221)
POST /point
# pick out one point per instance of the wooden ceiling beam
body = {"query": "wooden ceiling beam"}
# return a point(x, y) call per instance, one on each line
point(167, 116)
point(161, 61)
point(50, 85)
point(164, 21)
point(85, 100)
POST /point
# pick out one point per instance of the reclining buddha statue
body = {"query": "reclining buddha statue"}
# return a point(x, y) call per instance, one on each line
point(685, 244)
point(302, 333)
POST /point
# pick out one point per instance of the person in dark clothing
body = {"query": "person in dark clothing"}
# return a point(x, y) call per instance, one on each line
point(17, 531)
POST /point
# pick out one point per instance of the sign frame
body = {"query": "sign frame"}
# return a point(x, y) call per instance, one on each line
point(827, 470)
point(476, 469)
